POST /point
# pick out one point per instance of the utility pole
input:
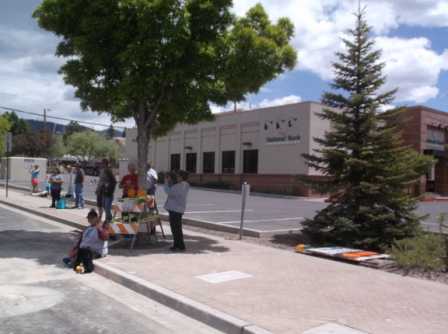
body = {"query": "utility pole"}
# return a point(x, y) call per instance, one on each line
point(45, 132)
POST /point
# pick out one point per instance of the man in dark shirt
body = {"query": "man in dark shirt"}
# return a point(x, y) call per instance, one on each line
point(79, 187)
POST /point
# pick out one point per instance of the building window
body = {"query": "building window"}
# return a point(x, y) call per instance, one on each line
point(175, 162)
point(250, 161)
point(228, 162)
point(209, 162)
point(191, 162)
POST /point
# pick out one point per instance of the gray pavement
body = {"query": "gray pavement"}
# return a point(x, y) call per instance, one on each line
point(264, 214)
point(40, 294)
point(238, 287)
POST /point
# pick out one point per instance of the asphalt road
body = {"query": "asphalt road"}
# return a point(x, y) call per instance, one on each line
point(261, 213)
point(38, 294)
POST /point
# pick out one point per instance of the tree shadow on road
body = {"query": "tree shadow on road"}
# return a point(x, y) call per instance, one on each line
point(47, 248)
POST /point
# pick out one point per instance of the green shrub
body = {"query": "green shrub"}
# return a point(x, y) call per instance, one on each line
point(218, 185)
point(421, 252)
point(292, 191)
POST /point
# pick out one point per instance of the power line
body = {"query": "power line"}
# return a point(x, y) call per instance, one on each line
point(60, 118)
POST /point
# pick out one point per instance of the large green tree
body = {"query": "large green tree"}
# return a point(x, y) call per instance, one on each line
point(5, 126)
point(91, 145)
point(161, 62)
point(71, 128)
point(367, 165)
point(58, 149)
point(18, 125)
point(31, 143)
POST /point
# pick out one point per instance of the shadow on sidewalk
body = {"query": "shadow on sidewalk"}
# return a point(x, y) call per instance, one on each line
point(194, 244)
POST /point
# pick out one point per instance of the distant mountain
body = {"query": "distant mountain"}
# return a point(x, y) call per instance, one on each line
point(59, 129)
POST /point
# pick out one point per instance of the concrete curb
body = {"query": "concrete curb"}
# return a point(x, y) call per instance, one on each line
point(201, 223)
point(203, 313)
point(44, 215)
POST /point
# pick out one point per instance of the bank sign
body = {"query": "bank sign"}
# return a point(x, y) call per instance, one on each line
point(435, 140)
point(283, 140)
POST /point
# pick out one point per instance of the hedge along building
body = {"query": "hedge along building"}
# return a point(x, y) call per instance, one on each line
point(262, 147)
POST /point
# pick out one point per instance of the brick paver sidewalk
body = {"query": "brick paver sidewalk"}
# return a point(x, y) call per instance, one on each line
point(286, 292)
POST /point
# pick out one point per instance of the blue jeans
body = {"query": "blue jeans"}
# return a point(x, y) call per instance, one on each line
point(107, 206)
point(79, 193)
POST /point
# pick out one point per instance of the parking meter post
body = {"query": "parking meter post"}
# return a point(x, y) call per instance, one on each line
point(242, 209)
point(6, 174)
point(446, 255)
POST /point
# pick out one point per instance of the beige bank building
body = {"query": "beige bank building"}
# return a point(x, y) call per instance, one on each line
point(263, 147)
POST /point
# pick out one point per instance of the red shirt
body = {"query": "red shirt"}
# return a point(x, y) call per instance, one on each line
point(130, 178)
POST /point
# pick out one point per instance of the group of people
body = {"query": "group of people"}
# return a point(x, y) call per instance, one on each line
point(95, 236)
point(176, 201)
point(53, 184)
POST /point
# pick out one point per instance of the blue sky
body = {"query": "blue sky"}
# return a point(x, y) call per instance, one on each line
point(413, 35)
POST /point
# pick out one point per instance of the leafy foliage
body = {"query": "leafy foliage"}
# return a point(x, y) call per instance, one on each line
point(163, 62)
point(31, 143)
point(18, 125)
point(72, 128)
point(424, 251)
point(5, 126)
point(368, 167)
point(58, 149)
point(110, 133)
point(90, 145)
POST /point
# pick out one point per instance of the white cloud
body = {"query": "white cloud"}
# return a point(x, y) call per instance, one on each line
point(280, 101)
point(28, 65)
point(411, 65)
point(215, 109)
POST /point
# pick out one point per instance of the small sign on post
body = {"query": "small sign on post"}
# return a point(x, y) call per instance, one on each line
point(245, 192)
point(8, 141)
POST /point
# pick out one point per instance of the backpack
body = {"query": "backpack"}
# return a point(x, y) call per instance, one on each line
point(84, 257)
point(61, 204)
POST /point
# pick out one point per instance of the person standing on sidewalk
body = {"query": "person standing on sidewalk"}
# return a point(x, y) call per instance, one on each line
point(34, 171)
point(79, 187)
point(151, 180)
point(108, 194)
point(56, 180)
point(100, 187)
point(176, 204)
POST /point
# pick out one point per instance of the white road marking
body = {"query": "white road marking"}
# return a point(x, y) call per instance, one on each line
point(216, 211)
point(260, 220)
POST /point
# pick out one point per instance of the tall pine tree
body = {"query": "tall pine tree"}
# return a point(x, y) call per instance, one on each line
point(367, 167)
point(110, 133)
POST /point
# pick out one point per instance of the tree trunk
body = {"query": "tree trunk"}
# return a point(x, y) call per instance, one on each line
point(142, 154)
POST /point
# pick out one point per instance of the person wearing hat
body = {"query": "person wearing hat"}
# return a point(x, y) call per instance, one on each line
point(94, 236)
point(79, 187)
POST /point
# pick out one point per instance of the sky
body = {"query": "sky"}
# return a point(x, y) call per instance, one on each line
point(412, 34)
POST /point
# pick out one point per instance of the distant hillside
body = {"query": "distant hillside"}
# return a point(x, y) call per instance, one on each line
point(59, 129)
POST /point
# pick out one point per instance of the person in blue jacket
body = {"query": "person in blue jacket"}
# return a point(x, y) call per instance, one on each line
point(176, 204)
